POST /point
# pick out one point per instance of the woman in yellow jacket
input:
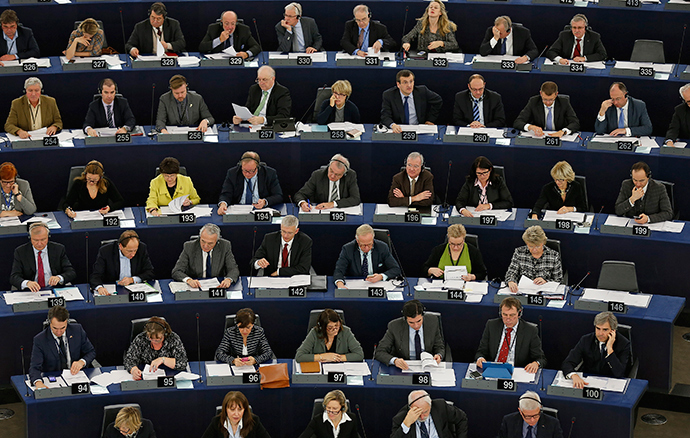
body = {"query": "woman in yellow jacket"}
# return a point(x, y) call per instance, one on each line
point(170, 185)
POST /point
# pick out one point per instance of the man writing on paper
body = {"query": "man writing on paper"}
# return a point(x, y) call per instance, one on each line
point(622, 115)
point(158, 28)
point(251, 182)
point(267, 99)
point(123, 262)
point(284, 253)
point(414, 186)
point(478, 107)
point(40, 263)
point(548, 112)
point(19, 41)
point(643, 198)
point(506, 38)
point(362, 32)
point(365, 257)
point(423, 418)
point(230, 34)
point(181, 107)
point(408, 104)
point(208, 256)
point(110, 111)
point(579, 44)
point(331, 186)
point(409, 336)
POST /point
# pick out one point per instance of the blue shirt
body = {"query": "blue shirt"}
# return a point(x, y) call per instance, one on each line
point(12, 44)
point(255, 188)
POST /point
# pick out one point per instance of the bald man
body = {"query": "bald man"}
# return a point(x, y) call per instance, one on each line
point(229, 33)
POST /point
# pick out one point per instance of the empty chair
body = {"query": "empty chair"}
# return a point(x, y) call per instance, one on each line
point(618, 275)
point(501, 171)
point(648, 51)
point(634, 364)
point(550, 411)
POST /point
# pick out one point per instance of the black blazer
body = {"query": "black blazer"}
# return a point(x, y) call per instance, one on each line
point(78, 197)
point(27, 47)
point(316, 189)
point(146, 430)
point(215, 429)
point(533, 113)
point(527, 343)
point(522, 43)
point(269, 186)
point(550, 198)
point(427, 104)
point(478, 268)
point(680, 123)
point(327, 112)
point(106, 270)
point(547, 427)
point(377, 31)
point(494, 114)
point(242, 39)
point(279, 102)
point(24, 264)
point(142, 36)
point(497, 192)
point(300, 254)
point(588, 352)
point(349, 262)
point(95, 116)
point(323, 429)
point(443, 416)
point(44, 353)
point(593, 48)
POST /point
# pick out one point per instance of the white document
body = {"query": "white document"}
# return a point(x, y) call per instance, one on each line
point(280, 282)
point(617, 221)
point(201, 210)
point(442, 377)
point(103, 380)
point(552, 215)
point(427, 363)
point(594, 65)
point(454, 273)
point(238, 371)
point(476, 288)
point(40, 62)
point(358, 284)
point(570, 137)
point(242, 112)
point(527, 286)
point(491, 132)
point(141, 287)
point(98, 390)
point(386, 209)
point(70, 379)
point(160, 50)
point(26, 297)
point(355, 210)
point(69, 293)
point(420, 129)
point(451, 57)
point(667, 226)
point(346, 126)
point(208, 283)
point(218, 369)
point(39, 134)
point(501, 215)
point(147, 374)
point(186, 375)
point(315, 57)
point(176, 204)
point(630, 65)
point(635, 300)
point(119, 376)
point(494, 58)
point(188, 61)
point(230, 51)
point(10, 221)
point(522, 376)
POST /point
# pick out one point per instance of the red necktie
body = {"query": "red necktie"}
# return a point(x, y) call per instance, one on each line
point(577, 51)
point(505, 348)
point(40, 274)
point(285, 256)
point(158, 31)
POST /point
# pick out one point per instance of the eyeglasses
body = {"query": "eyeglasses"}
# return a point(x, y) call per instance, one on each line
point(92, 181)
point(340, 94)
point(250, 171)
point(456, 245)
point(156, 341)
point(332, 412)
point(8, 183)
point(486, 172)
point(477, 90)
point(289, 16)
point(535, 248)
point(263, 80)
point(362, 20)
point(530, 417)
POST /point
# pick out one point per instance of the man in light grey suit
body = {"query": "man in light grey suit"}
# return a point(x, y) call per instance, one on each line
point(181, 107)
point(205, 257)
point(297, 33)
point(403, 338)
point(643, 198)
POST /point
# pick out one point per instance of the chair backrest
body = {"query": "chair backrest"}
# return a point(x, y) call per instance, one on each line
point(317, 410)
point(669, 191)
point(550, 411)
point(382, 234)
point(46, 322)
point(583, 182)
point(230, 320)
point(618, 275)
point(322, 93)
point(473, 239)
point(554, 244)
point(183, 170)
point(449, 355)
point(138, 326)
point(501, 171)
point(631, 367)
point(74, 172)
point(100, 24)
point(314, 316)
point(110, 413)
point(648, 51)
point(107, 241)
point(98, 96)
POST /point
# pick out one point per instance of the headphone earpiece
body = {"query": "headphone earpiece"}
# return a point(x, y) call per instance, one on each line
point(38, 225)
point(100, 86)
point(423, 163)
point(164, 10)
point(347, 168)
point(247, 157)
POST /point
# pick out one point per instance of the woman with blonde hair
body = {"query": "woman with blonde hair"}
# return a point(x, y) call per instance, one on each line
point(129, 423)
point(434, 31)
point(85, 40)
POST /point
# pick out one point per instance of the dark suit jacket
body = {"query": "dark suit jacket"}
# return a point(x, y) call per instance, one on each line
point(215, 429)
point(377, 31)
point(638, 119)
point(316, 189)
point(312, 37)
point(242, 39)
point(494, 114)
point(427, 104)
point(522, 43)
point(44, 353)
point(300, 254)
point(189, 264)
point(122, 113)
point(279, 102)
point(547, 427)
point(142, 36)
point(267, 178)
point(349, 262)
point(654, 203)
point(443, 416)
point(550, 198)
point(146, 430)
point(327, 112)
point(527, 344)
point(478, 267)
point(588, 352)
point(563, 115)
point(24, 264)
point(27, 47)
point(396, 340)
point(106, 270)
point(497, 192)
point(196, 111)
point(593, 48)
point(320, 429)
point(680, 123)
point(425, 181)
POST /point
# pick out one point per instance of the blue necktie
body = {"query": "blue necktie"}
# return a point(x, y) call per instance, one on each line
point(621, 119)
point(365, 266)
point(529, 432)
point(406, 108)
point(475, 111)
point(228, 42)
point(549, 119)
point(209, 272)
point(422, 428)
point(503, 47)
point(417, 346)
point(249, 193)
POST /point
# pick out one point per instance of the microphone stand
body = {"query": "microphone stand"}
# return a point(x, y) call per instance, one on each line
point(541, 368)
point(152, 131)
point(124, 39)
point(198, 346)
point(88, 289)
point(292, 206)
point(402, 271)
point(373, 362)
point(536, 60)
point(445, 207)
point(21, 348)
point(364, 432)
point(251, 266)
point(258, 37)
point(576, 287)
point(596, 219)
point(572, 424)
point(400, 55)
point(313, 102)
point(680, 52)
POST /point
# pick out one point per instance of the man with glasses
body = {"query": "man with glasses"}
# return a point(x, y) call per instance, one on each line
point(548, 112)
point(478, 107)
point(579, 43)
point(622, 115)
point(251, 182)
point(413, 186)
point(267, 99)
point(365, 257)
point(424, 417)
point(208, 256)
point(506, 38)
point(643, 198)
point(181, 107)
point(331, 186)
point(19, 41)
point(123, 262)
point(229, 33)
point(159, 27)
point(680, 122)
point(409, 104)
point(297, 33)
point(530, 421)
point(284, 253)
point(362, 32)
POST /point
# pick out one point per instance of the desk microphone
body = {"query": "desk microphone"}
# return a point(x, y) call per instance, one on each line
point(401, 52)
point(373, 362)
point(124, 39)
point(313, 102)
point(682, 40)
point(86, 241)
point(292, 206)
point(364, 432)
point(541, 368)
point(576, 287)
point(251, 265)
point(445, 206)
point(572, 423)
point(536, 60)
point(152, 131)
point(258, 37)
point(198, 350)
point(21, 349)
point(402, 271)
point(596, 218)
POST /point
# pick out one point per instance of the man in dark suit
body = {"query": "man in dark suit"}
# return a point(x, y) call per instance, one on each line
point(40, 263)
point(365, 257)
point(61, 345)
point(166, 29)
point(408, 104)
point(414, 186)
point(643, 198)
point(21, 44)
point(548, 112)
point(361, 33)
point(284, 253)
point(528, 418)
point(489, 110)
point(331, 186)
point(181, 107)
point(250, 182)
point(125, 262)
point(110, 111)
point(504, 38)
point(622, 115)
point(297, 33)
point(229, 33)
point(208, 256)
point(502, 342)
point(680, 122)
point(267, 100)
point(422, 416)
point(579, 44)
point(605, 352)
point(423, 330)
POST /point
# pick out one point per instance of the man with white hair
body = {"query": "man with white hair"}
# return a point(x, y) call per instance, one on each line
point(579, 43)
point(680, 122)
point(529, 421)
point(297, 33)
point(424, 418)
point(286, 252)
point(207, 256)
point(33, 111)
point(414, 186)
point(365, 257)
point(267, 100)
point(331, 186)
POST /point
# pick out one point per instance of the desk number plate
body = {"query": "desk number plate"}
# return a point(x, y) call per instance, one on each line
point(216, 292)
point(633, 3)
point(456, 295)
point(253, 378)
point(567, 2)
point(616, 307)
point(28, 67)
point(195, 135)
point(168, 62)
point(377, 292)
point(56, 301)
point(536, 300)
point(646, 71)
point(98, 64)
point(508, 65)
point(111, 221)
point(552, 141)
point(337, 216)
point(625, 145)
point(123, 138)
point(336, 377)
point(488, 220)
point(338, 134)
point(409, 136)
point(137, 297)
point(166, 381)
point(297, 291)
point(187, 218)
point(577, 68)
point(440, 62)
point(371, 60)
point(266, 134)
point(505, 385)
point(480, 137)
point(592, 393)
point(262, 216)
point(421, 379)
point(564, 224)
point(235, 60)
point(80, 388)
point(641, 230)
point(413, 216)
point(304, 60)
point(51, 141)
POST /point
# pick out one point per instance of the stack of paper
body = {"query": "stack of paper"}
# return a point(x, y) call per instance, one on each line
point(147, 374)
point(315, 57)
point(354, 283)
point(218, 369)
point(501, 215)
point(635, 300)
point(630, 65)
point(69, 293)
point(238, 371)
point(10, 221)
point(570, 137)
point(596, 65)
point(349, 368)
point(70, 379)
point(115, 376)
point(451, 57)
point(667, 226)
point(280, 282)
point(442, 377)
point(648, 142)
point(550, 289)
point(27, 297)
point(464, 130)
point(420, 129)
point(552, 215)
point(604, 383)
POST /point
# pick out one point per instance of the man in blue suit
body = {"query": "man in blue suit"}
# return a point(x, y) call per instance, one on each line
point(365, 257)
point(61, 345)
point(409, 104)
point(19, 41)
point(622, 115)
point(529, 420)
point(110, 111)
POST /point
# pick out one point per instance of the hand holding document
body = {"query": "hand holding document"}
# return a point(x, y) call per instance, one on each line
point(242, 112)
